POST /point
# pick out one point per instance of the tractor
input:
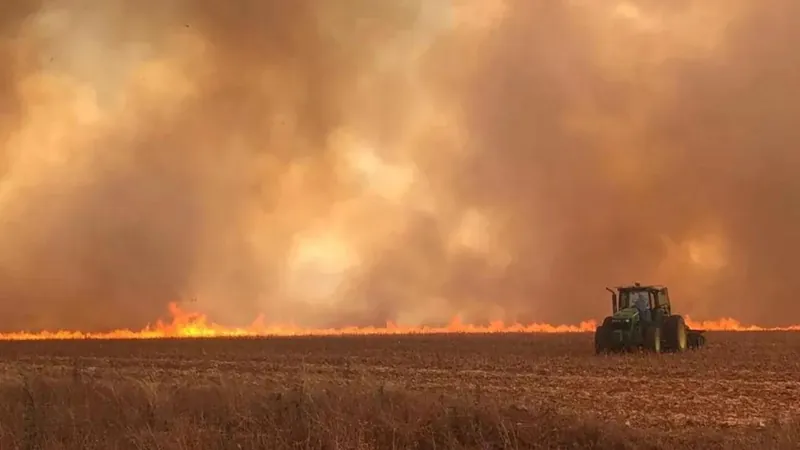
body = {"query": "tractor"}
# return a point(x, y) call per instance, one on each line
point(642, 318)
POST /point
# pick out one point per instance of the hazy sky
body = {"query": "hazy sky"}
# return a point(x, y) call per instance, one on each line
point(352, 162)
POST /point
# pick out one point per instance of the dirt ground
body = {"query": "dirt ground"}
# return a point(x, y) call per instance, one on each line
point(741, 383)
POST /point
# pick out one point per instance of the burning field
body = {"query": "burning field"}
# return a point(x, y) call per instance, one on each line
point(418, 201)
point(502, 390)
point(189, 383)
point(185, 324)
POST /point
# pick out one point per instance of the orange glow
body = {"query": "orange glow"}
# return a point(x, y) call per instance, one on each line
point(196, 325)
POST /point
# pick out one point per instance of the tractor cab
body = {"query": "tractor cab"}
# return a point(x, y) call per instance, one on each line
point(653, 299)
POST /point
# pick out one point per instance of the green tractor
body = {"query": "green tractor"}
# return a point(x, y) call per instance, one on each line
point(642, 318)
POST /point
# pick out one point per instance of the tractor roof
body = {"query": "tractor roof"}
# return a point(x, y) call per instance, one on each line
point(638, 287)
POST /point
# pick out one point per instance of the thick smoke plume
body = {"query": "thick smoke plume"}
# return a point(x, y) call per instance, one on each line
point(349, 163)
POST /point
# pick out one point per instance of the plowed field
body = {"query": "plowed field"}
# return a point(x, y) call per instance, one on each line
point(741, 383)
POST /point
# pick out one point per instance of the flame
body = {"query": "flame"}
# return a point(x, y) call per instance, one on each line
point(196, 325)
point(729, 324)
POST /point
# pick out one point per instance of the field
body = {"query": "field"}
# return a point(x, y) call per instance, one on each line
point(432, 392)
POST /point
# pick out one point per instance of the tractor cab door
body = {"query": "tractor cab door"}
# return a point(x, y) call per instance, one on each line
point(664, 302)
point(655, 301)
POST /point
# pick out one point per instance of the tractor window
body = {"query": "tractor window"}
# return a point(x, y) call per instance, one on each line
point(641, 300)
point(624, 300)
point(632, 298)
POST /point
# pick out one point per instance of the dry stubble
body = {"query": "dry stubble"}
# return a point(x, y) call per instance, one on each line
point(496, 391)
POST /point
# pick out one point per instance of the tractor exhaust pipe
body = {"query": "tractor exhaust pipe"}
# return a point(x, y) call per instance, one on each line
point(614, 305)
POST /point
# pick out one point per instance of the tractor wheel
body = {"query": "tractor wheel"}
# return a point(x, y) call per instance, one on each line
point(676, 334)
point(652, 339)
point(601, 340)
point(696, 341)
point(602, 337)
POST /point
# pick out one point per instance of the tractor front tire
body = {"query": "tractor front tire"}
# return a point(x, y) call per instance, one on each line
point(652, 339)
point(601, 340)
point(675, 334)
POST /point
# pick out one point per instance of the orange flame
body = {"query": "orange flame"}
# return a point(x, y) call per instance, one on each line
point(196, 325)
point(728, 324)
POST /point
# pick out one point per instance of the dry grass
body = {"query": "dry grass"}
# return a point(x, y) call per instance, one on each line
point(432, 392)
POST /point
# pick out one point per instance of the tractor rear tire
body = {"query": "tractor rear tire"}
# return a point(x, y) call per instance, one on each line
point(676, 334)
point(652, 339)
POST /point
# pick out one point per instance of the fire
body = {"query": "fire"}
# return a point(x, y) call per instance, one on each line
point(196, 325)
point(729, 324)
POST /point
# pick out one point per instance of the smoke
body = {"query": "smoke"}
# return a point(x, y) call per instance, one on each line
point(636, 141)
point(357, 162)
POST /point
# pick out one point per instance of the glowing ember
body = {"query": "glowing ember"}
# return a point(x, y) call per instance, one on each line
point(196, 325)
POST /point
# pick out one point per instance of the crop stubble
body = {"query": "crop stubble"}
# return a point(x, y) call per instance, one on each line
point(740, 379)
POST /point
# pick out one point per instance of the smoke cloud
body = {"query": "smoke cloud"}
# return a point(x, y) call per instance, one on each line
point(357, 162)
